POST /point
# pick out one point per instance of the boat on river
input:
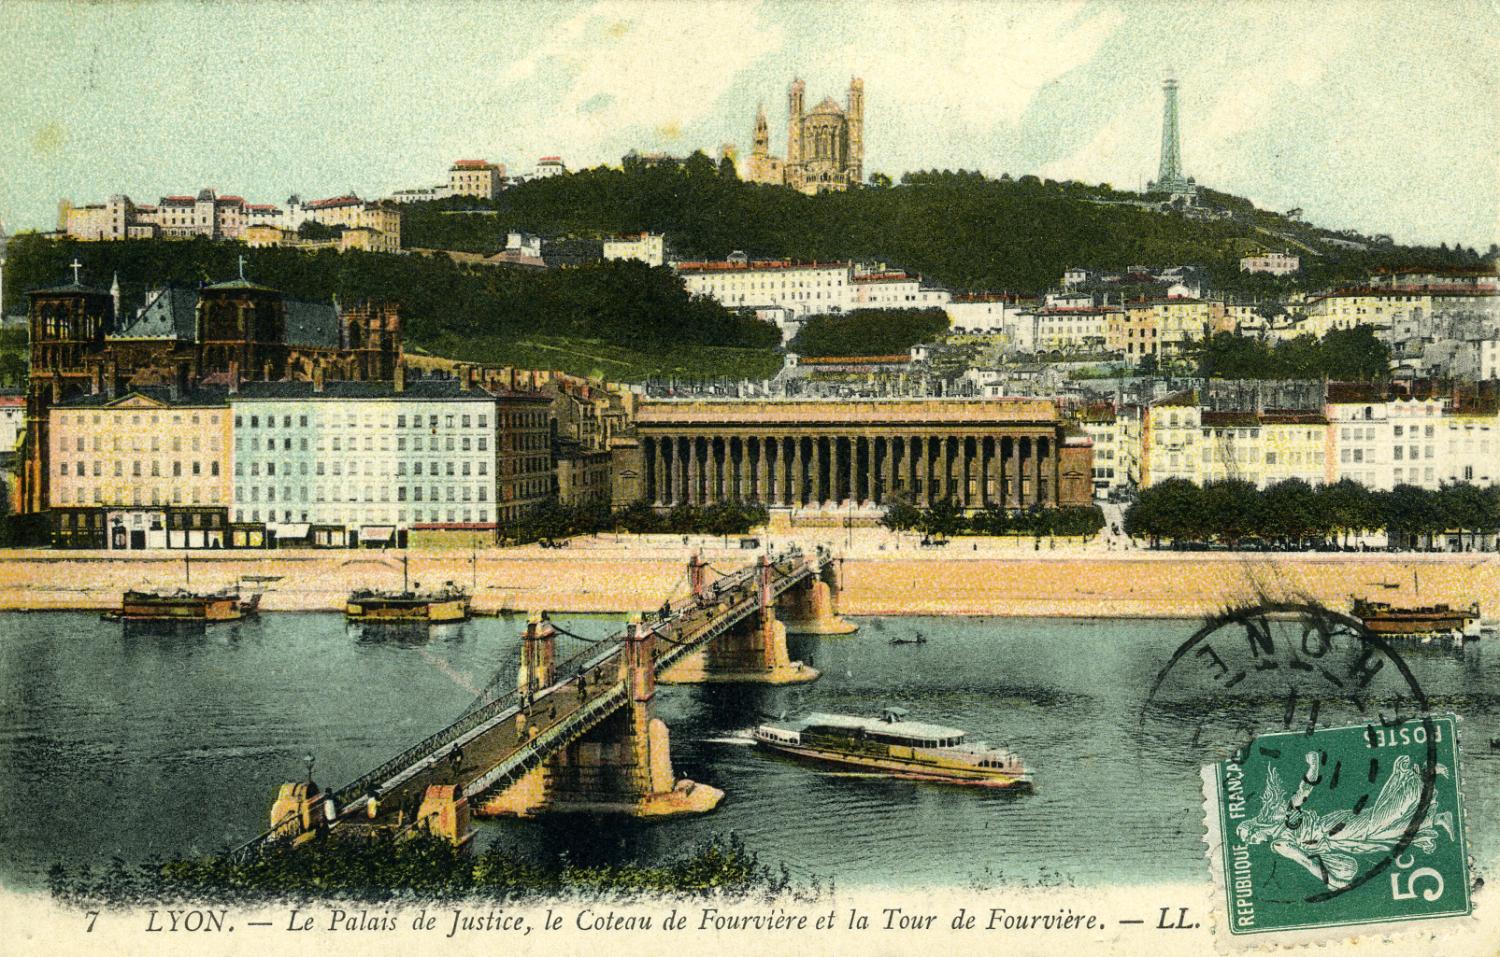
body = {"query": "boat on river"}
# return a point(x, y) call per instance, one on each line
point(412, 604)
point(182, 605)
point(1422, 623)
point(892, 745)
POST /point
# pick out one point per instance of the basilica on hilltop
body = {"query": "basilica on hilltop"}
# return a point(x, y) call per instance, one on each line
point(825, 146)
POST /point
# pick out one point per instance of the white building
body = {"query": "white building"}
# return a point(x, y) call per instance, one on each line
point(979, 312)
point(1116, 435)
point(1277, 264)
point(365, 461)
point(549, 166)
point(649, 248)
point(806, 289)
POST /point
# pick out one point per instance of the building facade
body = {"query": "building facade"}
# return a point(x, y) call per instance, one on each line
point(477, 178)
point(649, 248)
point(146, 470)
point(806, 289)
point(1276, 264)
point(825, 145)
point(833, 455)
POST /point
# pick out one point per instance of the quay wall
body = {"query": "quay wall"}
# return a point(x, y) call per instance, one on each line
point(630, 577)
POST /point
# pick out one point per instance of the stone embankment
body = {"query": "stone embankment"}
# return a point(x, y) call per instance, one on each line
point(879, 578)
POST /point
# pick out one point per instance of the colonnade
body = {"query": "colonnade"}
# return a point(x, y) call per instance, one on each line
point(831, 471)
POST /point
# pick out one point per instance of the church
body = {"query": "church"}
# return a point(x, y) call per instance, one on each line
point(825, 146)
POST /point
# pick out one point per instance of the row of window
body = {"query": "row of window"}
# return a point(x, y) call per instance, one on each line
point(338, 444)
point(138, 443)
point(351, 419)
point(368, 493)
point(178, 468)
point(372, 517)
point(367, 467)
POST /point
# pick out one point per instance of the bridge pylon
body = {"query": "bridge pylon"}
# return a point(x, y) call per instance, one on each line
point(813, 609)
point(621, 765)
point(753, 652)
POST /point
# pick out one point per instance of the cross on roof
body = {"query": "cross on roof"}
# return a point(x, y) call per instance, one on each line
point(76, 266)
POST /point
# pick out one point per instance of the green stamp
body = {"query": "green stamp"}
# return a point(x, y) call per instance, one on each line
point(1341, 826)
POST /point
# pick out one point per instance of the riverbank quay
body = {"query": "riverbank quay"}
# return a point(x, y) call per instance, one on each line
point(882, 574)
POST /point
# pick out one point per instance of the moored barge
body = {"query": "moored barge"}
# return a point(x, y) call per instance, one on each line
point(1423, 623)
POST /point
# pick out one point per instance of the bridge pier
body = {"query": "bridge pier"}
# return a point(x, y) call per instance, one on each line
point(622, 765)
point(754, 651)
point(813, 610)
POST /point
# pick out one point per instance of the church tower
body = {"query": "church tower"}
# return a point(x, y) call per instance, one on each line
point(794, 124)
point(762, 145)
point(855, 114)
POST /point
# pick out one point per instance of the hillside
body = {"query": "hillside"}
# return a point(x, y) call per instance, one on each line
point(617, 320)
point(960, 228)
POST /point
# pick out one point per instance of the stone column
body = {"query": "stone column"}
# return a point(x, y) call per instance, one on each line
point(854, 469)
point(760, 469)
point(816, 497)
point(693, 493)
point(984, 471)
point(1036, 471)
point(963, 471)
point(674, 490)
point(1013, 472)
point(797, 469)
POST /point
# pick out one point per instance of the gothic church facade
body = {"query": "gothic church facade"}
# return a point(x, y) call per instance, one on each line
point(825, 147)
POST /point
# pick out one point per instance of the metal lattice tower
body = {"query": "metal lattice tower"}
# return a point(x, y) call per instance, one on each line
point(1170, 173)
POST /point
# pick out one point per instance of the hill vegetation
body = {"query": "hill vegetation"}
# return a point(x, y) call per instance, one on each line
point(960, 228)
point(869, 332)
point(617, 319)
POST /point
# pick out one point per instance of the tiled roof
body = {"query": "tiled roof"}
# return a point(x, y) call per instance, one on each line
point(199, 396)
point(169, 313)
point(311, 324)
point(347, 200)
point(765, 264)
point(340, 389)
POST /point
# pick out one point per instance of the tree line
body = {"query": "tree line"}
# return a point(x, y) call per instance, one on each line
point(554, 521)
point(444, 304)
point(967, 230)
point(869, 332)
point(945, 519)
point(1294, 514)
point(1346, 355)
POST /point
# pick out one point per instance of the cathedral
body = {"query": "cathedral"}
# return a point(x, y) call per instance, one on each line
point(825, 146)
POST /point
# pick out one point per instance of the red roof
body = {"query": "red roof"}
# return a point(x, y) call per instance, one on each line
point(6, 400)
point(347, 200)
point(550, 159)
point(884, 277)
point(232, 200)
point(856, 360)
point(177, 200)
point(261, 206)
point(471, 164)
point(721, 266)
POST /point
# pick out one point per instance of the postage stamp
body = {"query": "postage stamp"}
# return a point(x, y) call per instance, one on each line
point(1337, 827)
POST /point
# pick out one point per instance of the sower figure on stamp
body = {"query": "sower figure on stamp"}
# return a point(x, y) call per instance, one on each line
point(1326, 844)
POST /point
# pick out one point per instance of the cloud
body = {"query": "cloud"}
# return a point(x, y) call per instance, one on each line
point(619, 67)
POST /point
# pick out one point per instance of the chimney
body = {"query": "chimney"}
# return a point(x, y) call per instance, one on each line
point(318, 377)
point(465, 378)
point(400, 377)
point(234, 376)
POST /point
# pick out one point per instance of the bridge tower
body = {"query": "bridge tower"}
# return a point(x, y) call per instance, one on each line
point(814, 609)
point(623, 764)
point(754, 651)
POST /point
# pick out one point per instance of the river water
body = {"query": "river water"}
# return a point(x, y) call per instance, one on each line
point(133, 745)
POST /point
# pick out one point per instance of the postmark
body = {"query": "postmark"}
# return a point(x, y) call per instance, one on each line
point(1339, 827)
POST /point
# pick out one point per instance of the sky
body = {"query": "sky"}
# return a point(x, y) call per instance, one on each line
point(1381, 116)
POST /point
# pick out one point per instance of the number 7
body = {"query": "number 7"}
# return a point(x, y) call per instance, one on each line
point(92, 915)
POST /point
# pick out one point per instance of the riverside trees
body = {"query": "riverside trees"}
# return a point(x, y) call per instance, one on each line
point(1294, 514)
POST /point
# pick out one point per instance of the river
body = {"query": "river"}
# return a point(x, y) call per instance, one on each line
point(133, 745)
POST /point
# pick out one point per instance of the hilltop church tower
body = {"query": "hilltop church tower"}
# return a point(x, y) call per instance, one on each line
point(825, 146)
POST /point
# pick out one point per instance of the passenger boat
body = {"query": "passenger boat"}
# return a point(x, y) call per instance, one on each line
point(1424, 623)
point(896, 746)
point(182, 605)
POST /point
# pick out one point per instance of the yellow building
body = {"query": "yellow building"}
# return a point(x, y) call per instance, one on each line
point(1379, 309)
point(1181, 440)
point(146, 470)
point(1178, 322)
